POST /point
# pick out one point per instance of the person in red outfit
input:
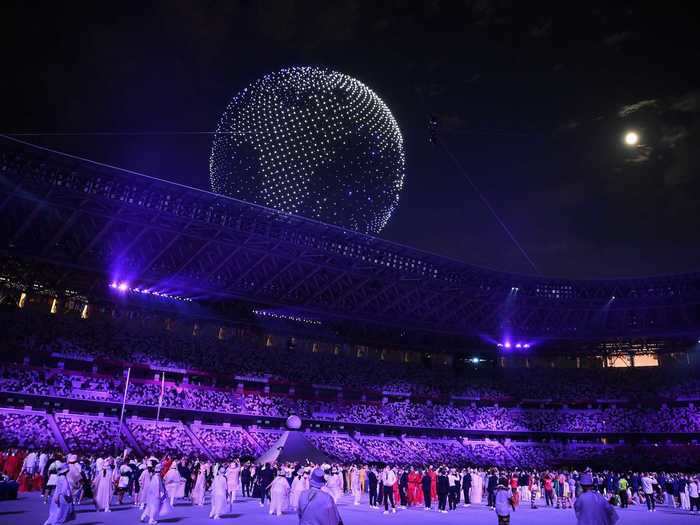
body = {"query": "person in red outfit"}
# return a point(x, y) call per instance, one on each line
point(514, 489)
point(415, 495)
point(24, 483)
point(12, 465)
point(166, 464)
point(37, 481)
point(433, 483)
point(397, 495)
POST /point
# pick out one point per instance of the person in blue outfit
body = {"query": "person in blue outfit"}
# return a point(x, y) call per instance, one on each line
point(591, 508)
point(315, 506)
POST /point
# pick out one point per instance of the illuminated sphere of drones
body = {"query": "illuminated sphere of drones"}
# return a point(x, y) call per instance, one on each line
point(312, 142)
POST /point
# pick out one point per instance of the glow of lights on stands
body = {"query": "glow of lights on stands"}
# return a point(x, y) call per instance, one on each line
point(508, 345)
point(285, 317)
point(124, 287)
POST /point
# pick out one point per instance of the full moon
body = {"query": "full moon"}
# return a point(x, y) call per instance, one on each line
point(631, 138)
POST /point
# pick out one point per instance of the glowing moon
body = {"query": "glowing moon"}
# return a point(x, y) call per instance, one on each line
point(631, 138)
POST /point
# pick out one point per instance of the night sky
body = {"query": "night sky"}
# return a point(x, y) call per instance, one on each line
point(532, 102)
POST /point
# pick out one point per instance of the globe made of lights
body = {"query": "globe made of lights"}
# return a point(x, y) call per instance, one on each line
point(312, 142)
point(293, 422)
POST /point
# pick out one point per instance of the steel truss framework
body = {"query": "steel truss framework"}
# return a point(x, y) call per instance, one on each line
point(85, 218)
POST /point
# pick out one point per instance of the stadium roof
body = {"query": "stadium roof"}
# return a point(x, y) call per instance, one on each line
point(86, 218)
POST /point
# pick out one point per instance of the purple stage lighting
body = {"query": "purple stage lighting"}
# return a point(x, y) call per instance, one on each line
point(508, 344)
point(123, 287)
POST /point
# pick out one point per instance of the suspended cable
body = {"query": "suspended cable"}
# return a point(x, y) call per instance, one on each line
point(485, 201)
point(114, 133)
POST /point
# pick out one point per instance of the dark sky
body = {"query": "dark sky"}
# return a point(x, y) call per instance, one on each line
point(533, 102)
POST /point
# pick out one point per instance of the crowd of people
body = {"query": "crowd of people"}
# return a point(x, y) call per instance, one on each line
point(156, 483)
point(171, 460)
point(144, 341)
point(89, 435)
point(98, 435)
point(407, 412)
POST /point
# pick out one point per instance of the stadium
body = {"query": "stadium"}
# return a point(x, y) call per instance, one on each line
point(222, 347)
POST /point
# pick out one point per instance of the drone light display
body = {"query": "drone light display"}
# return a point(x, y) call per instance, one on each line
point(312, 142)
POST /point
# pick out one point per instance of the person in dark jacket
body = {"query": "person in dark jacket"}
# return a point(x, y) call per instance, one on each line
point(245, 481)
point(403, 488)
point(491, 484)
point(183, 468)
point(372, 482)
point(266, 475)
point(426, 484)
point(466, 487)
point(443, 487)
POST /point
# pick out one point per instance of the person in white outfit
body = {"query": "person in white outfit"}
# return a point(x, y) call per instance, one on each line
point(75, 477)
point(279, 494)
point(200, 486)
point(30, 463)
point(61, 509)
point(43, 458)
point(144, 479)
point(51, 482)
point(233, 477)
point(388, 481)
point(334, 485)
point(104, 485)
point(298, 486)
point(685, 499)
point(694, 495)
point(219, 505)
point(355, 486)
point(172, 480)
point(123, 478)
point(477, 491)
point(157, 503)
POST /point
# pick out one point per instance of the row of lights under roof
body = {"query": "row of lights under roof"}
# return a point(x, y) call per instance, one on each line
point(286, 317)
point(124, 287)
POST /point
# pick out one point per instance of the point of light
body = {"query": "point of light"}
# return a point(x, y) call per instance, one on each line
point(518, 345)
point(475, 360)
point(526, 345)
point(507, 344)
point(631, 138)
point(123, 287)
